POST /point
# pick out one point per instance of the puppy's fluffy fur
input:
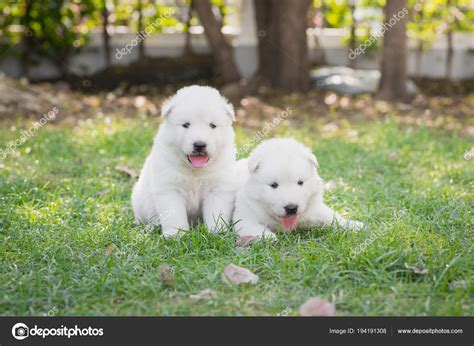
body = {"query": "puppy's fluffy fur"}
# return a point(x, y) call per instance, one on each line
point(180, 184)
point(282, 191)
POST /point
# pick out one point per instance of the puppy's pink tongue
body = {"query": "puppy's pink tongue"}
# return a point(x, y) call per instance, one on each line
point(289, 221)
point(198, 161)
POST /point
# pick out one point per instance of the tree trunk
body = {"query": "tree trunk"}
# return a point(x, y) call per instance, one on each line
point(188, 49)
point(64, 65)
point(221, 49)
point(64, 56)
point(419, 49)
point(293, 56)
point(449, 39)
point(393, 82)
point(283, 50)
point(449, 53)
point(321, 57)
point(105, 34)
point(141, 44)
point(419, 55)
point(352, 38)
point(27, 44)
point(266, 49)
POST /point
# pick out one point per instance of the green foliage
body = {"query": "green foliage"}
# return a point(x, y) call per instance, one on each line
point(10, 24)
point(428, 18)
point(432, 18)
point(54, 28)
point(58, 27)
point(337, 13)
point(62, 25)
point(126, 13)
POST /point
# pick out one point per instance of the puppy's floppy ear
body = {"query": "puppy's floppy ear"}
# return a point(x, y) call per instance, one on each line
point(254, 163)
point(228, 108)
point(167, 106)
point(312, 158)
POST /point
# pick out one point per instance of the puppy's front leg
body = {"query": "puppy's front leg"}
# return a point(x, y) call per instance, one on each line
point(171, 214)
point(321, 214)
point(253, 229)
point(246, 224)
point(217, 210)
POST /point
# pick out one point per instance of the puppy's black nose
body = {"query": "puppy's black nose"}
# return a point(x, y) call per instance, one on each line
point(291, 209)
point(199, 146)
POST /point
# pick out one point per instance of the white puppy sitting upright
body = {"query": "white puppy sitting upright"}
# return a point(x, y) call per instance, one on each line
point(283, 191)
point(190, 172)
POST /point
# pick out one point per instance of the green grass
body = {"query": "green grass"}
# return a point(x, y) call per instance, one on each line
point(69, 245)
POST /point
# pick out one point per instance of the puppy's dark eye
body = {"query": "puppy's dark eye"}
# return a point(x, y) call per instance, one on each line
point(213, 126)
point(300, 182)
point(186, 125)
point(274, 185)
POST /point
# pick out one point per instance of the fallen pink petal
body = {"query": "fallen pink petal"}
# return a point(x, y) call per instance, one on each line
point(317, 307)
point(236, 275)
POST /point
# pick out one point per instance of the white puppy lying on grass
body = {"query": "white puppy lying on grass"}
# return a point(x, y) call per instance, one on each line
point(190, 172)
point(283, 191)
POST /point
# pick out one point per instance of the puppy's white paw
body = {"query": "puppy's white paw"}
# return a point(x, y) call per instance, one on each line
point(269, 235)
point(172, 233)
point(355, 225)
point(251, 237)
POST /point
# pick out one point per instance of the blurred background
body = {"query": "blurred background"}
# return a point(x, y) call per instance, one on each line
point(97, 45)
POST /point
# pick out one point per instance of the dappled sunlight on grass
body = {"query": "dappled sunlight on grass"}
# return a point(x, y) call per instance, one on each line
point(68, 238)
